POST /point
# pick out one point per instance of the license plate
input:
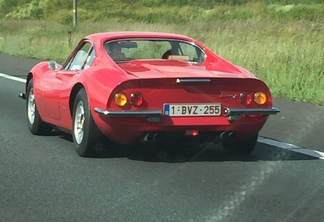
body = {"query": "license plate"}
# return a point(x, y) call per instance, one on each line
point(209, 109)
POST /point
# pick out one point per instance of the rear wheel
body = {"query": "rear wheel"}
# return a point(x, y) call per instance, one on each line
point(35, 124)
point(241, 147)
point(85, 133)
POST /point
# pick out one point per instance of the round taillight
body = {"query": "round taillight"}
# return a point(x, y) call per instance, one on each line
point(120, 99)
point(246, 98)
point(136, 99)
point(260, 98)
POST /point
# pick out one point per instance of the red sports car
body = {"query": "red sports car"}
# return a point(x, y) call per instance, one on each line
point(130, 87)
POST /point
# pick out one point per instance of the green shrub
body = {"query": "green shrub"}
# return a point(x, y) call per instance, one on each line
point(163, 11)
point(311, 12)
point(290, 2)
point(64, 16)
point(33, 9)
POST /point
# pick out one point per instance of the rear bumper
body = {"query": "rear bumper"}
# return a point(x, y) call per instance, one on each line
point(156, 113)
point(128, 126)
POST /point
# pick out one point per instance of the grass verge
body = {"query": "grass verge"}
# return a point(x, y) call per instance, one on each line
point(288, 55)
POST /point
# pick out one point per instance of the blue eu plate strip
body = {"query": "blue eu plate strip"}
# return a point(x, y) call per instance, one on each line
point(166, 109)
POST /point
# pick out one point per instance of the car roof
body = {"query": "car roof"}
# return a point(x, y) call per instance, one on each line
point(104, 36)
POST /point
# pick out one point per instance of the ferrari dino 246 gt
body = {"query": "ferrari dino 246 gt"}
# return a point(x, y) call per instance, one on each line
point(129, 87)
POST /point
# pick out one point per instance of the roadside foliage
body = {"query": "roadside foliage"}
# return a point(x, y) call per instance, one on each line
point(280, 41)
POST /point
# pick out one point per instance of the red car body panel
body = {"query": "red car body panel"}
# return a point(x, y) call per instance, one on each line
point(158, 82)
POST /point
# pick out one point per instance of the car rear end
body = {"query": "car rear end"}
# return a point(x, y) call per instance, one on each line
point(200, 108)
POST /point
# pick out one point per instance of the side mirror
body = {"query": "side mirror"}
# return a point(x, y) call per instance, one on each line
point(53, 65)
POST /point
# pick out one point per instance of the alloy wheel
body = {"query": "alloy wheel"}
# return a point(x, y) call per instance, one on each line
point(79, 121)
point(31, 106)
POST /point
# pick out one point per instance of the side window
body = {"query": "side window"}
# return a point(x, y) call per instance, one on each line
point(90, 58)
point(194, 53)
point(82, 58)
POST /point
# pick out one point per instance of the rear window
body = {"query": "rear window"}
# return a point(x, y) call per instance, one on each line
point(124, 50)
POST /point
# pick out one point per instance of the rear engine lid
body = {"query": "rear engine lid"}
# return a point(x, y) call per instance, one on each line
point(152, 69)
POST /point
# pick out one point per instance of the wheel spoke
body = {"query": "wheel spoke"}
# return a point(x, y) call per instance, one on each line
point(31, 107)
point(79, 122)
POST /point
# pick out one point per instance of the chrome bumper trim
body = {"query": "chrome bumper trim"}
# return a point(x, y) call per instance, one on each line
point(157, 113)
point(237, 112)
point(146, 113)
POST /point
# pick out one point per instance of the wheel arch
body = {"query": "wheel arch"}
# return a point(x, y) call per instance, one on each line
point(76, 88)
point(29, 77)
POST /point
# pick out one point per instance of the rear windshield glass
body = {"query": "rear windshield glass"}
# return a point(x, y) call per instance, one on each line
point(124, 50)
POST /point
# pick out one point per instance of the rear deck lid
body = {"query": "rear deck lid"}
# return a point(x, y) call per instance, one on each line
point(152, 69)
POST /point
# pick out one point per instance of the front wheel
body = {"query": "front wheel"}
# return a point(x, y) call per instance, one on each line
point(85, 132)
point(241, 147)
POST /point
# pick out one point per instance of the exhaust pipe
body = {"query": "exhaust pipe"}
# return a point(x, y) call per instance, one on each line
point(226, 135)
point(149, 137)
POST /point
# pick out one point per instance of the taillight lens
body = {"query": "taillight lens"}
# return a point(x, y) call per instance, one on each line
point(120, 99)
point(260, 98)
point(136, 99)
point(246, 98)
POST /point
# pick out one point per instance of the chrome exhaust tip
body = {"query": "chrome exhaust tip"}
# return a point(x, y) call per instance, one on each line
point(149, 137)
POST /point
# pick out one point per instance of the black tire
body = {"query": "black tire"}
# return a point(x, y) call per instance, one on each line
point(35, 124)
point(242, 147)
point(85, 132)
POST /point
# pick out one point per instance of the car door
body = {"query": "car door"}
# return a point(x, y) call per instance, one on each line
point(48, 90)
point(55, 86)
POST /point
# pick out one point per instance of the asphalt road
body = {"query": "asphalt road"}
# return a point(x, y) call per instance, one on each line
point(43, 179)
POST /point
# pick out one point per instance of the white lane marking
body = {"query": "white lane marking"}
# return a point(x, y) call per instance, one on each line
point(286, 146)
point(292, 148)
point(12, 78)
point(230, 206)
point(232, 202)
